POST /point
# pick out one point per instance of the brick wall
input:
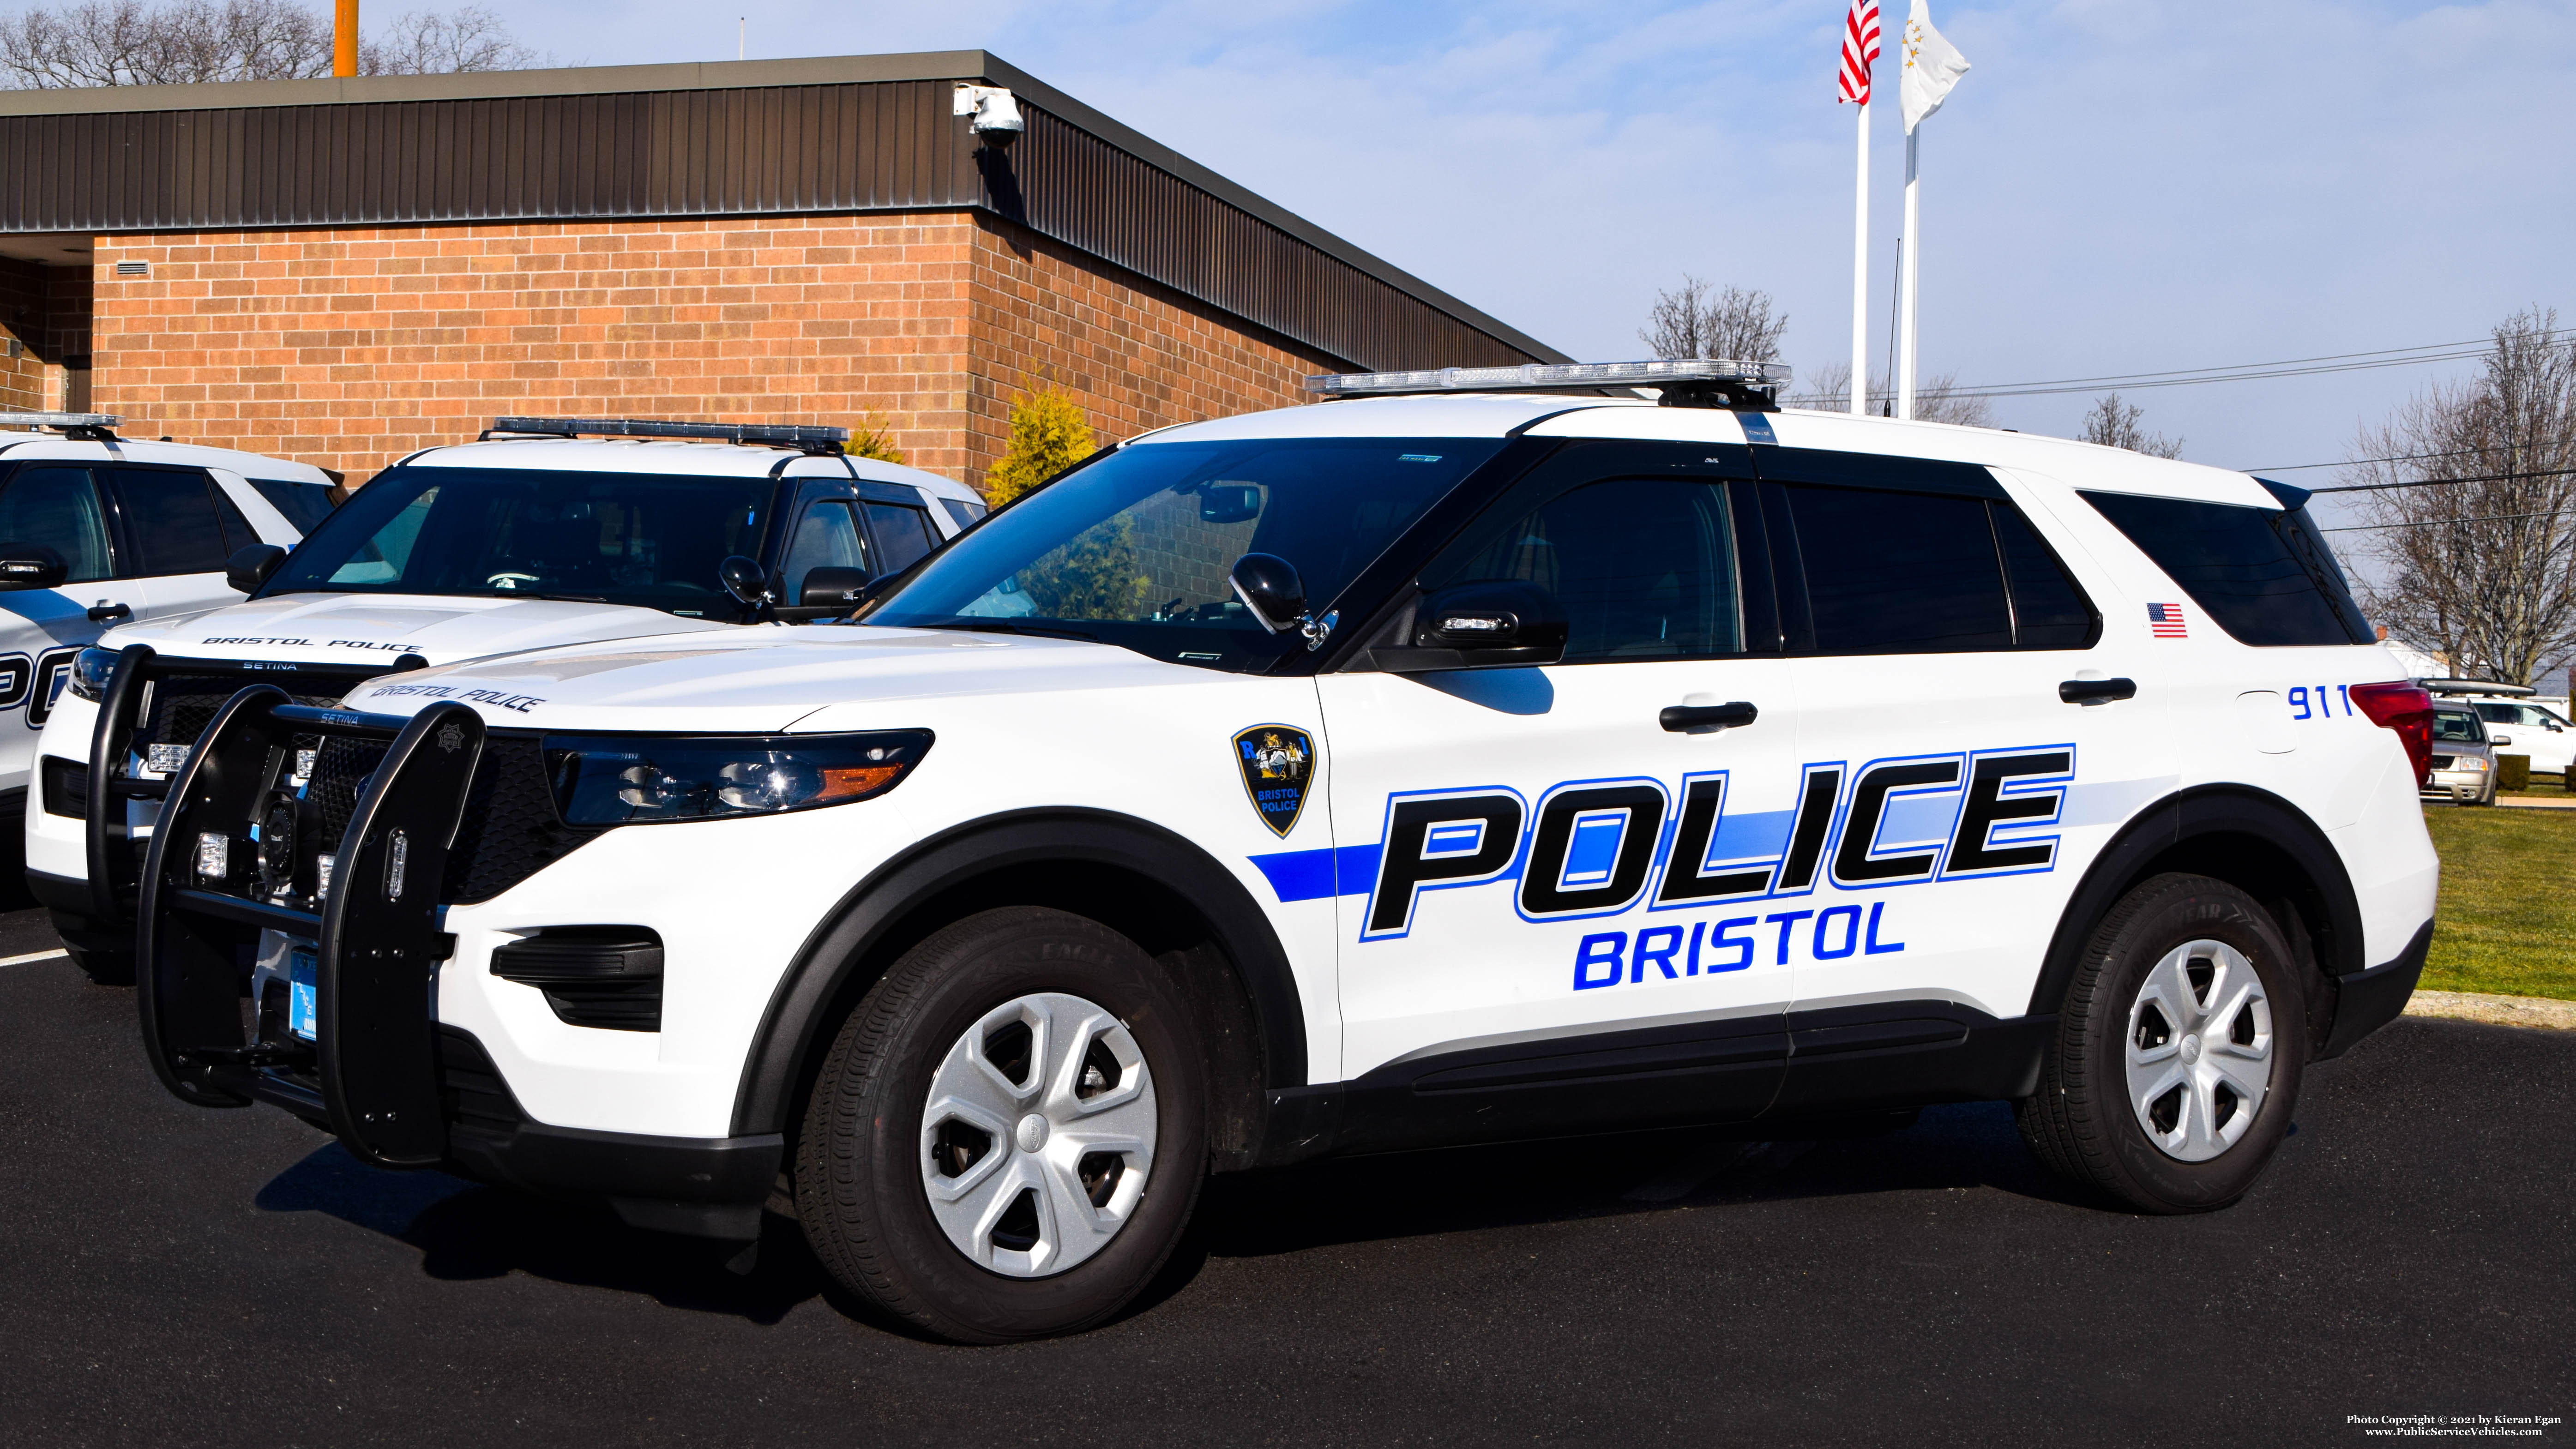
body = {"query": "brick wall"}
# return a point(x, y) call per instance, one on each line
point(350, 348)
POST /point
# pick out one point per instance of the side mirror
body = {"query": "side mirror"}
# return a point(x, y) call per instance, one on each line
point(745, 579)
point(2499, 739)
point(1270, 588)
point(31, 566)
point(828, 591)
point(1499, 624)
point(251, 566)
point(1229, 502)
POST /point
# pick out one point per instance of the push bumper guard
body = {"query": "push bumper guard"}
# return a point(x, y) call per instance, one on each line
point(373, 1069)
point(143, 679)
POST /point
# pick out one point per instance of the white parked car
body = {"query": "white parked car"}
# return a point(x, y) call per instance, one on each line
point(1394, 772)
point(2515, 724)
point(546, 531)
point(98, 530)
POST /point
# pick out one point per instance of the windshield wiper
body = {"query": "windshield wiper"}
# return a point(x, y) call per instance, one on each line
point(998, 626)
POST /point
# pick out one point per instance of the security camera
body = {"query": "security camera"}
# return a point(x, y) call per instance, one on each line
point(997, 117)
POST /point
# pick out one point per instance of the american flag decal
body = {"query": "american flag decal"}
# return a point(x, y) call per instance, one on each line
point(1860, 47)
point(2165, 621)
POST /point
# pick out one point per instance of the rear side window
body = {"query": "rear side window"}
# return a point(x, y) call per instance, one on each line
point(902, 534)
point(1922, 573)
point(964, 512)
point(304, 504)
point(170, 515)
point(2264, 574)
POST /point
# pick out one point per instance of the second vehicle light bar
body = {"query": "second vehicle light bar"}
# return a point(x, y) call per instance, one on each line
point(792, 434)
point(1560, 377)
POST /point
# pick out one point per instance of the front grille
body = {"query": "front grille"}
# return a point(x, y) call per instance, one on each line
point(2440, 762)
point(510, 829)
point(182, 705)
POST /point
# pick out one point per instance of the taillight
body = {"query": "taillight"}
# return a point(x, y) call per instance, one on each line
point(2407, 709)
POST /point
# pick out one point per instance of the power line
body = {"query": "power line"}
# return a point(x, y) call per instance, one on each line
point(2438, 482)
point(2239, 372)
point(2431, 522)
point(2358, 462)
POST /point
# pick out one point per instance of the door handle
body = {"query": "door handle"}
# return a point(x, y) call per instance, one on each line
point(2097, 691)
point(1685, 718)
point(105, 613)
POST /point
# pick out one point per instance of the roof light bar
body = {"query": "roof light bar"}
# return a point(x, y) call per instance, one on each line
point(2477, 686)
point(796, 435)
point(65, 422)
point(1685, 382)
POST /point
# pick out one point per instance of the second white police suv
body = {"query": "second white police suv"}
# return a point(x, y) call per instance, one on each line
point(545, 531)
point(1457, 766)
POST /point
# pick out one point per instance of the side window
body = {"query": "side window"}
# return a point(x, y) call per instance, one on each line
point(1644, 567)
point(304, 504)
point(238, 534)
point(1900, 573)
point(2049, 607)
point(2260, 572)
point(170, 515)
point(964, 512)
point(59, 508)
point(902, 534)
point(826, 537)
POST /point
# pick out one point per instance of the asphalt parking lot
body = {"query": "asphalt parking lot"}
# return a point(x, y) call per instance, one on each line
point(170, 1275)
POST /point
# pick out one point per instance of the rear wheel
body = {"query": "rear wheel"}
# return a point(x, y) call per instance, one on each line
point(2179, 1052)
point(1010, 1131)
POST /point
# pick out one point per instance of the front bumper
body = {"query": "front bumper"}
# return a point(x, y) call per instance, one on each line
point(2456, 784)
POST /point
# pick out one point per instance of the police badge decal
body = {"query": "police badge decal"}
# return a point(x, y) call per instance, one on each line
point(1277, 762)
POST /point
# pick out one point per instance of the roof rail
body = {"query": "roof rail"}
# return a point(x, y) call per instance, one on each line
point(806, 436)
point(1684, 382)
point(2476, 686)
point(86, 427)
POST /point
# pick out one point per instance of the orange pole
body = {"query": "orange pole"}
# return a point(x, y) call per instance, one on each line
point(344, 39)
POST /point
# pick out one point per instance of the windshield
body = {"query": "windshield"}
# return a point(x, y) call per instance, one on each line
point(651, 540)
point(1135, 549)
point(2458, 726)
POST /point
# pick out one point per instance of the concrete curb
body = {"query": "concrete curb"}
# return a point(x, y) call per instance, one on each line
point(2535, 1011)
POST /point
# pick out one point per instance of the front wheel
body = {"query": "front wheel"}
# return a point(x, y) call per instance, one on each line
point(2179, 1050)
point(1010, 1131)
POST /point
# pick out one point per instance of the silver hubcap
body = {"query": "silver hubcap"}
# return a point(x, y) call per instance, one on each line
point(1038, 1135)
point(2199, 1050)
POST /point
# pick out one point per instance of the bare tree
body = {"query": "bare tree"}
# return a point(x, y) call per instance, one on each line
point(425, 43)
point(178, 42)
point(2115, 424)
point(1696, 320)
point(1941, 399)
point(2480, 566)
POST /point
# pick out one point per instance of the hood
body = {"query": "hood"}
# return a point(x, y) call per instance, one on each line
point(380, 628)
point(762, 680)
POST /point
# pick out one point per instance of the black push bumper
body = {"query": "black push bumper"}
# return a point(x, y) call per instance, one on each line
point(2369, 999)
point(399, 1089)
point(175, 691)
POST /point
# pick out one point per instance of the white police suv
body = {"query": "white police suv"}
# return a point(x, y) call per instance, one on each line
point(544, 531)
point(95, 529)
point(1397, 771)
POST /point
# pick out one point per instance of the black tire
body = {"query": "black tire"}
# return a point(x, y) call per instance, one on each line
point(860, 1156)
point(2082, 1124)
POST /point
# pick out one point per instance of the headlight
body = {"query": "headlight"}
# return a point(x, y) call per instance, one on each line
point(2473, 764)
point(639, 779)
point(91, 670)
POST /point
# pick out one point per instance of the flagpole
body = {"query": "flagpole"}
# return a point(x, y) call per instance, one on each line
point(1913, 269)
point(1860, 274)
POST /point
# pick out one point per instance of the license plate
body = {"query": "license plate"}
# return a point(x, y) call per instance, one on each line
point(301, 973)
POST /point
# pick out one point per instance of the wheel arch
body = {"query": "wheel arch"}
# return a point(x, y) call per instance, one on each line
point(1169, 896)
point(2249, 838)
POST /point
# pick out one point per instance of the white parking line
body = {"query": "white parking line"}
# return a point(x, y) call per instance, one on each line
point(33, 956)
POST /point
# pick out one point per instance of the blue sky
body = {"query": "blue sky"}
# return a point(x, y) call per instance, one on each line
point(2116, 187)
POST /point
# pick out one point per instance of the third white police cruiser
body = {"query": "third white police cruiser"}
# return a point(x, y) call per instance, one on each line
point(545, 531)
point(1399, 771)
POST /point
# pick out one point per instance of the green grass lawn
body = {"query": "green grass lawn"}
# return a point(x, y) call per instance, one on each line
point(2507, 918)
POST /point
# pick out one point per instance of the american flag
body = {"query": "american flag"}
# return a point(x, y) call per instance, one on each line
point(2165, 621)
point(1860, 47)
